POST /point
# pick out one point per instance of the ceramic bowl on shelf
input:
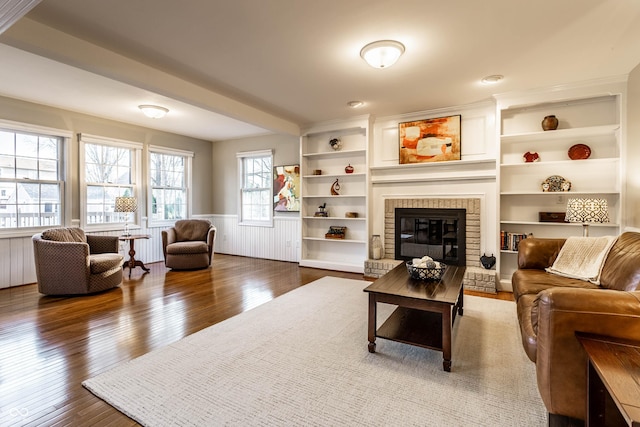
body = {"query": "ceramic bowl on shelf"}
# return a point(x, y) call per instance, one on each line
point(579, 152)
point(530, 157)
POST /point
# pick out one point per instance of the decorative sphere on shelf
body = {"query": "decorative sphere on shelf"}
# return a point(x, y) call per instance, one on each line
point(335, 143)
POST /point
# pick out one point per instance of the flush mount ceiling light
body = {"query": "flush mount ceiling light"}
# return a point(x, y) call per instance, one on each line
point(355, 104)
point(153, 111)
point(492, 79)
point(383, 53)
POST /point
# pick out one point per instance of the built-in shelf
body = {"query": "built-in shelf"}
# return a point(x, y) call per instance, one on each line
point(560, 134)
point(596, 163)
point(333, 154)
point(333, 218)
point(335, 240)
point(592, 120)
point(332, 196)
point(559, 224)
point(337, 175)
point(316, 154)
point(557, 193)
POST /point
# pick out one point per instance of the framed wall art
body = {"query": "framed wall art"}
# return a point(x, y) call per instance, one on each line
point(430, 140)
point(286, 188)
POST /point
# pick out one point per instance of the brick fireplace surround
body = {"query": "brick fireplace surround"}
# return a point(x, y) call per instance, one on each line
point(476, 278)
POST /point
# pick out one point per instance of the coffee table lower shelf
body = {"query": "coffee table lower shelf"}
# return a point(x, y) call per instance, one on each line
point(415, 327)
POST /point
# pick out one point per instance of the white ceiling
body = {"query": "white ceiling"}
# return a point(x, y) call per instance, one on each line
point(230, 69)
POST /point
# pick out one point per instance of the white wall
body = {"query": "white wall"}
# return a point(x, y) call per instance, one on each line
point(474, 176)
point(280, 242)
point(633, 149)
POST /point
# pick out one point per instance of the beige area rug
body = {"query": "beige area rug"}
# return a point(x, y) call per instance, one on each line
point(302, 359)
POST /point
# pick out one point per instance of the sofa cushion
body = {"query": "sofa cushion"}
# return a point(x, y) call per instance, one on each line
point(65, 234)
point(192, 229)
point(100, 263)
point(184, 248)
point(621, 270)
point(531, 282)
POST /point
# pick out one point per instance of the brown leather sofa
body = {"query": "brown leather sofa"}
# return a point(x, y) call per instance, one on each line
point(551, 309)
point(188, 245)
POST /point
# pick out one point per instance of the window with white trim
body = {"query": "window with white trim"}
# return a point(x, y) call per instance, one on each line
point(109, 168)
point(31, 177)
point(256, 193)
point(169, 184)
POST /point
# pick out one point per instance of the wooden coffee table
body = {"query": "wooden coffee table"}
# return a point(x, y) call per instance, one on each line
point(426, 310)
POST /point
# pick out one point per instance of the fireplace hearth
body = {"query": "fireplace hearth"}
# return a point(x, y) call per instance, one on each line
point(476, 277)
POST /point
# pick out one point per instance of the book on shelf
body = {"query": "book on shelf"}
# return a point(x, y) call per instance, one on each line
point(510, 241)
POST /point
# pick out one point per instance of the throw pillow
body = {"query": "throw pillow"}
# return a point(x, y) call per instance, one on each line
point(583, 258)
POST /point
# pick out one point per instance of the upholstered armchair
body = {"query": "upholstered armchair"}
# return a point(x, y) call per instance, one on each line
point(188, 245)
point(70, 262)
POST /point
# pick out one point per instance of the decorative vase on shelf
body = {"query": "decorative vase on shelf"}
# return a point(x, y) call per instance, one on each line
point(348, 169)
point(550, 123)
point(376, 247)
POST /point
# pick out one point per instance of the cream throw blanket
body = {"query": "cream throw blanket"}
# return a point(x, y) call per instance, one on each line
point(583, 258)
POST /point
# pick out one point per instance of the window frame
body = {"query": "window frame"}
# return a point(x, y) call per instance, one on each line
point(188, 182)
point(136, 174)
point(64, 168)
point(242, 156)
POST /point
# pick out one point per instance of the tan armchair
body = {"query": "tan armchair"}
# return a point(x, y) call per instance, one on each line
point(68, 262)
point(188, 245)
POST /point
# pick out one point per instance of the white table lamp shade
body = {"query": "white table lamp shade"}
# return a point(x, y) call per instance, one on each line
point(587, 211)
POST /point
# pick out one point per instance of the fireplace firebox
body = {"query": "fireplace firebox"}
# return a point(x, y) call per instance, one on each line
point(438, 233)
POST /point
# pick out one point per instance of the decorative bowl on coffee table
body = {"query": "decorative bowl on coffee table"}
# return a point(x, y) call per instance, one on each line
point(425, 273)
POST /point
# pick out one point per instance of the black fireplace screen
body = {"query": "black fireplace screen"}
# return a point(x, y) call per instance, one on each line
point(438, 233)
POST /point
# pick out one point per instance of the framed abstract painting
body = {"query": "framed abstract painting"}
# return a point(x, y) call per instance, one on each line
point(286, 188)
point(430, 140)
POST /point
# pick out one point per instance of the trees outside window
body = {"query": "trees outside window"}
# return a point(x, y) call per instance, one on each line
point(109, 169)
point(169, 183)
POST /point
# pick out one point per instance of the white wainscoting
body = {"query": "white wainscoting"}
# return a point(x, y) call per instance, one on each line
point(16, 262)
point(280, 242)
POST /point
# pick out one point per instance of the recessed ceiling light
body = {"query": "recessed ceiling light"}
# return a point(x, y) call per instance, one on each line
point(383, 53)
point(153, 111)
point(355, 104)
point(492, 79)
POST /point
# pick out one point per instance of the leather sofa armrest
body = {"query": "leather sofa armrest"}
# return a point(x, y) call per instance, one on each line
point(99, 244)
point(536, 253)
point(560, 360)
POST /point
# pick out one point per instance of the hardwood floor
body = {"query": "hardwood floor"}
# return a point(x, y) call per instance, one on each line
point(49, 345)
